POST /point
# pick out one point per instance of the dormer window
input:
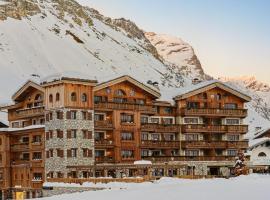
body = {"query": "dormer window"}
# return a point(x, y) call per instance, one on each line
point(73, 96)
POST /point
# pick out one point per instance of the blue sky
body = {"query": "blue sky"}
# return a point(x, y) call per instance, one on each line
point(230, 37)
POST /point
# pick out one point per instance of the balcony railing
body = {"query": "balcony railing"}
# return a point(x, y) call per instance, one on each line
point(159, 144)
point(104, 143)
point(160, 128)
point(104, 159)
point(20, 147)
point(125, 106)
point(105, 124)
point(215, 144)
point(187, 158)
point(29, 112)
point(215, 128)
point(214, 112)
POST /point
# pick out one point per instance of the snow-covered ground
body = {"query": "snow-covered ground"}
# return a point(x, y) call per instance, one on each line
point(252, 187)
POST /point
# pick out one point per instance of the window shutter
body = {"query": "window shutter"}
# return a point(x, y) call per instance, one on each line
point(47, 136)
point(47, 154)
point(47, 117)
point(90, 153)
point(68, 134)
point(68, 153)
point(68, 115)
point(89, 117)
point(89, 135)
point(61, 115)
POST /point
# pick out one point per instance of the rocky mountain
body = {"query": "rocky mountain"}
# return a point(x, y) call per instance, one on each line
point(43, 37)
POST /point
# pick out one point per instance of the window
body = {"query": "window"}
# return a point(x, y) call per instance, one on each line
point(120, 93)
point(230, 106)
point(261, 154)
point(73, 96)
point(127, 118)
point(73, 114)
point(232, 121)
point(99, 153)
point(127, 136)
point(87, 152)
point(218, 96)
point(233, 137)
point(167, 120)
point(189, 120)
point(192, 152)
point(73, 153)
point(37, 156)
point(232, 152)
point(204, 95)
point(99, 117)
point(119, 100)
point(57, 97)
point(132, 92)
point(73, 134)
point(154, 120)
point(87, 134)
point(144, 119)
point(60, 134)
point(84, 115)
point(84, 97)
point(60, 175)
point(108, 90)
point(38, 97)
point(193, 105)
point(59, 115)
point(50, 116)
point(36, 139)
point(50, 98)
point(191, 137)
point(127, 154)
point(15, 124)
point(60, 153)
point(144, 153)
point(25, 156)
point(140, 101)
point(25, 140)
point(168, 110)
point(50, 175)
point(97, 99)
point(155, 136)
point(169, 137)
point(144, 136)
point(37, 176)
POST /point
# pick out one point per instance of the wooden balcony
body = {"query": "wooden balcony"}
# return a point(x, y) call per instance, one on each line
point(187, 158)
point(19, 147)
point(214, 112)
point(29, 112)
point(104, 125)
point(160, 128)
point(107, 106)
point(104, 143)
point(104, 159)
point(199, 128)
point(159, 144)
point(214, 144)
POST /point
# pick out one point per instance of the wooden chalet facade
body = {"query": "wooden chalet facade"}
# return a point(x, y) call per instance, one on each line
point(85, 129)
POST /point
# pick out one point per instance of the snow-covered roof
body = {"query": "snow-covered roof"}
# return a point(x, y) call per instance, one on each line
point(261, 132)
point(21, 129)
point(206, 85)
point(257, 142)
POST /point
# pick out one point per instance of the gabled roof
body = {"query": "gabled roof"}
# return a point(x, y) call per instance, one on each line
point(208, 85)
point(261, 133)
point(129, 79)
point(25, 88)
point(257, 142)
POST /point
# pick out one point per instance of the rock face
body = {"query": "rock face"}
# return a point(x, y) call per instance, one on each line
point(177, 53)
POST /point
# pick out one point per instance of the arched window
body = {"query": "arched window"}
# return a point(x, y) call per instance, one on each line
point(51, 98)
point(57, 97)
point(218, 96)
point(261, 154)
point(84, 97)
point(73, 96)
point(38, 97)
point(120, 93)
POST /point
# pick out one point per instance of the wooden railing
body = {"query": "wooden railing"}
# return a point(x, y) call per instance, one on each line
point(160, 127)
point(104, 143)
point(29, 112)
point(187, 158)
point(214, 144)
point(104, 159)
point(20, 147)
point(106, 124)
point(214, 112)
point(125, 106)
point(159, 144)
point(215, 128)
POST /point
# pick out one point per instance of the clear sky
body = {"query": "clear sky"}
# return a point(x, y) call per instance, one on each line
point(230, 37)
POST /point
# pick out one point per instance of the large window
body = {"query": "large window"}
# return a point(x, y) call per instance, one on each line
point(144, 119)
point(169, 137)
point(189, 120)
point(127, 154)
point(119, 100)
point(232, 152)
point(127, 118)
point(192, 152)
point(99, 117)
point(232, 121)
point(193, 105)
point(167, 120)
point(127, 136)
point(120, 93)
point(154, 120)
point(144, 136)
point(155, 136)
point(73, 96)
point(191, 137)
point(73, 114)
point(37, 156)
point(230, 106)
point(233, 137)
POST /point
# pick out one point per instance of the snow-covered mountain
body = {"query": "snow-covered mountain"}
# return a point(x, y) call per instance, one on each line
point(43, 37)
